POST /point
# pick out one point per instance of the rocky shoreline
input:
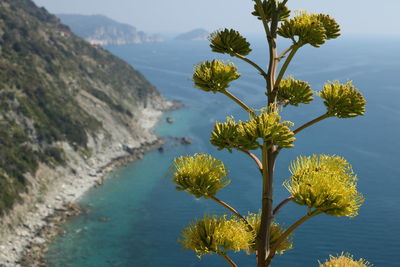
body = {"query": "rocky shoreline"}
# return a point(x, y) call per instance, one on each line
point(30, 242)
point(33, 254)
point(26, 230)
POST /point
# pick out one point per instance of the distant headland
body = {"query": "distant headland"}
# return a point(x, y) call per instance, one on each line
point(194, 35)
point(101, 30)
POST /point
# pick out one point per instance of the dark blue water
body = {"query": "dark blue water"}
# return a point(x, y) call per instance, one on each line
point(146, 213)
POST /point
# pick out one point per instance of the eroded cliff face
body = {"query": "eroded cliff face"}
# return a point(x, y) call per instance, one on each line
point(67, 109)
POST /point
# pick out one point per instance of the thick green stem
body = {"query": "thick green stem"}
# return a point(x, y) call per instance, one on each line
point(272, 50)
point(314, 121)
point(262, 72)
point(238, 101)
point(273, 67)
point(268, 155)
point(274, 55)
point(262, 233)
point(263, 245)
point(269, 209)
point(231, 262)
point(226, 205)
point(270, 152)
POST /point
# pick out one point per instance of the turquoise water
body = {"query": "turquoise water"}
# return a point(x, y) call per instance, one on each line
point(146, 214)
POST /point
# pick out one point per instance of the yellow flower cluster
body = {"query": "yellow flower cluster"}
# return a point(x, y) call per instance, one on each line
point(200, 175)
point(217, 235)
point(220, 234)
point(345, 260)
point(326, 184)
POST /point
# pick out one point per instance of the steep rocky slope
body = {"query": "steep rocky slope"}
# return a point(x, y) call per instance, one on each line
point(100, 30)
point(67, 109)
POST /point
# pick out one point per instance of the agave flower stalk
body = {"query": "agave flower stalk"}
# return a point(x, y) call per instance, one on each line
point(323, 184)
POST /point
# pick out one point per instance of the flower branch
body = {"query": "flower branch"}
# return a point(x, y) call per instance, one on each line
point(226, 205)
point(229, 260)
point(314, 121)
point(283, 203)
point(262, 72)
point(238, 101)
point(287, 233)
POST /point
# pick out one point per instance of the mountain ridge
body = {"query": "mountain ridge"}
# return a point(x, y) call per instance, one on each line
point(101, 30)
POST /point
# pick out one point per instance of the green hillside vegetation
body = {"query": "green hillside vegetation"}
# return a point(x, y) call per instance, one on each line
point(43, 68)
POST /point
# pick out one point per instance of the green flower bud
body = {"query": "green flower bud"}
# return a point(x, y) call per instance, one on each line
point(200, 175)
point(294, 92)
point(229, 42)
point(244, 135)
point(226, 135)
point(217, 235)
point(268, 11)
point(214, 76)
point(332, 29)
point(344, 260)
point(343, 100)
point(325, 183)
point(268, 126)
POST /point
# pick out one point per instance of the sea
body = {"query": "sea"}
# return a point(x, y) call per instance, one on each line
point(136, 217)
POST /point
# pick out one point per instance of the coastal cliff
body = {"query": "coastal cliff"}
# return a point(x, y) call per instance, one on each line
point(101, 30)
point(68, 110)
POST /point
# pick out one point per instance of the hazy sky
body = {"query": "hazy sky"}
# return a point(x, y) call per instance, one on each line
point(174, 16)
